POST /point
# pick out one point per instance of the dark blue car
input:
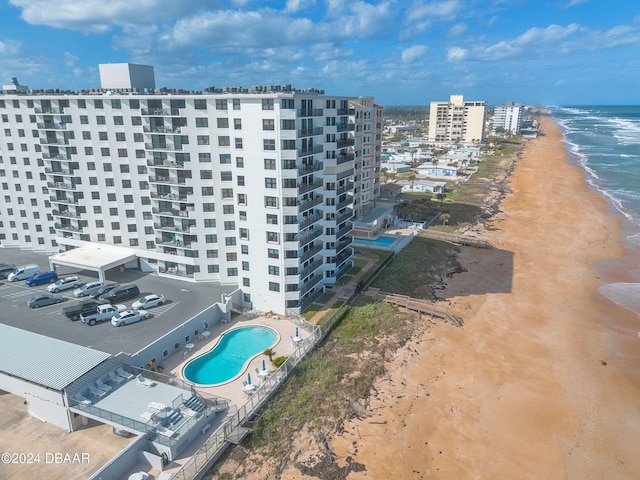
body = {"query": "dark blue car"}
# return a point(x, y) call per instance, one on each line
point(41, 278)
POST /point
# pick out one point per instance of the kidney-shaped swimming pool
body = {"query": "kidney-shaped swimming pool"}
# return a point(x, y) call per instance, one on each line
point(227, 359)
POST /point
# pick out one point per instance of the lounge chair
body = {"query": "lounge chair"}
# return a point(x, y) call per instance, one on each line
point(96, 392)
point(145, 381)
point(81, 399)
point(103, 386)
point(126, 375)
point(115, 378)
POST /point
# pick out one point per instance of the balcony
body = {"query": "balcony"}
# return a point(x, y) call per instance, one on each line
point(345, 174)
point(64, 213)
point(164, 147)
point(173, 245)
point(68, 228)
point(61, 185)
point(344, 158)
point(58, 171)
point(344, 203)
point(345, 142)
point(162, 130)
point(49, 111)
point(344, 243)
point(310, 112)
point(54, 141)
point(306, 237)
point(344, 189)
point(173, 212)
point(54, 156)
point(346, 215)
point(344, 230)
point(65, 200)
point(310, 132)
point(308, 285)
point(172, 228)
point(168, 180)
point(345, 127)
point(171, 197)
point(165, 164)
point(160, 112)
point(341, 112)
point(304, 256)
point(305, 272)
point(308, 220)
point(307, 204)
point(303, 152)
point(52, 126)
point(307, 187)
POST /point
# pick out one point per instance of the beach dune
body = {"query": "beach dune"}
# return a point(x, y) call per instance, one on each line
point(532, 386)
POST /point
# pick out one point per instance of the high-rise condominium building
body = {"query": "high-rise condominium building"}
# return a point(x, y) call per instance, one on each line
point(251, 187)
point(456, 121)
point(508, 117)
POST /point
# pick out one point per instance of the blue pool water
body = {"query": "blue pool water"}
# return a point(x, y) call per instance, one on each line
point(378, 242)
point(229, 356)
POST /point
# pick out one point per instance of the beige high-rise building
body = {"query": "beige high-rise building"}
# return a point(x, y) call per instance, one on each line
point(456, 121)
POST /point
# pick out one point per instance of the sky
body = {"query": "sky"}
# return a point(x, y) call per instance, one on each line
point(402, 52)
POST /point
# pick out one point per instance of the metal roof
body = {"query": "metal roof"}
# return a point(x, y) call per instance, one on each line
point(43, 360)
point(94, 256)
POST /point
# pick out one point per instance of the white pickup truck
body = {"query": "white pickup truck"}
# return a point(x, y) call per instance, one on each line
point(104, 312)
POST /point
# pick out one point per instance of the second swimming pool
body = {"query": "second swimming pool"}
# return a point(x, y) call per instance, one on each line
point(227, 359)
point(382, 242)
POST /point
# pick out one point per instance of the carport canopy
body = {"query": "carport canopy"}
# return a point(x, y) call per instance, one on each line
point(97, 258)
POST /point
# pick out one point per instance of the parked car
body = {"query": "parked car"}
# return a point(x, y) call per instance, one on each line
point(87, 289)
point(23, 272)
point(103, 312)
point(122, 293)
point(41, 278)
point(5, 270)
point(44, 300)
point(148, 301)
point(74, 312)
point(129, 316)
point(64, 284)
point(102, 292)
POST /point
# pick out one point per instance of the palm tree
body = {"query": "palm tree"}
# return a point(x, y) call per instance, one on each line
point(412, 177)
point(384, 172)
point(434, 162)
point(445, 216)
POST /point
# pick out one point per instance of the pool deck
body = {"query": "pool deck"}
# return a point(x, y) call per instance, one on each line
point(232, 390)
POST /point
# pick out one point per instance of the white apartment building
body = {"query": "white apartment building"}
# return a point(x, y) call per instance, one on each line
point(250, 187)
point(456, 121)
point(507, 117)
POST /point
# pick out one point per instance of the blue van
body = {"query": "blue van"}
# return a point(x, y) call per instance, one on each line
point(42, 277)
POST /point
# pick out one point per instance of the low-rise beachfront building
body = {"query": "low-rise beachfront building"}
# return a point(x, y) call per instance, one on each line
point(251, 187)
point(439, 171)
point(422, 186)
point(456, 121)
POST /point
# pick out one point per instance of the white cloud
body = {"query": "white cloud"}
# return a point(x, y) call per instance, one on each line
point(100, 15)
point(414, 53)
point(69, 59)
point(456, 54)
point(422, 15)
point(293, 6)
point(458, 29)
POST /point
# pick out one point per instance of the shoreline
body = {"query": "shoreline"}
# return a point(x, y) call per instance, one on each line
point(534, 385)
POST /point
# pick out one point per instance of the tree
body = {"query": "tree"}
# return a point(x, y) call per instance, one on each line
point(412, 177)
point(441, 196)
point(434, 162)
point(445, 217)
point(384, 172)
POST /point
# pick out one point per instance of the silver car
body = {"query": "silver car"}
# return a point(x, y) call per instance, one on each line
point(87, 289)
point(64, 284)
point(44, 300)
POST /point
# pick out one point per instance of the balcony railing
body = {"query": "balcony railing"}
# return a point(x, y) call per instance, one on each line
point(345, 127)
point(307, 187)
point(66, 200)
point(345, 142)
point(310, 112)
point(309, 220)
point(344, 203)
point(64, 213)
point(52, 126)
point(344, 158)
point(168, 147)
point(160, 112)
point(54, 141)
point(172, 228)
point(61, 185)
point(310, 151)
point(58, 171)
point(70, 228)
point(310, 132)
point(168, 180)
point(162, 130)
point(341, 112)
point(304, 256)
point(171, 197)
point(49, 111)
point(308, 285)
point(314, 167)
point(305, 272)
point(306, 205)
point(165, 164)
point(54, 156)
point(348, 173)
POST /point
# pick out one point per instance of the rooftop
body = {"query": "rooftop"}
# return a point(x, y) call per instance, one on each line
point(32, 356)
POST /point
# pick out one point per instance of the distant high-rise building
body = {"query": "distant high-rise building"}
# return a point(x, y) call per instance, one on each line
point(508, 117)
point(456, 121)
point(253, 187)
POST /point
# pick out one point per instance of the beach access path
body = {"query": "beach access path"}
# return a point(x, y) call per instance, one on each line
point(530, 387)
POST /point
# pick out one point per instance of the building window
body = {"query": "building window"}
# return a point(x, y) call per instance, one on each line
point(224, 141)
point(236, 104)
point(274, 287)
point(272, 219)
point(230, 241)
point(221, 103)
point(226, 176)
point(227, 192)
point(232, 272)
point(222, 122)
point(200, 104)
point(268, 124)
point(269, 144)
point(273, 237)
point(269, 163)
point(225, 158)
point(202, 122)
point(238, 143)
point(230, 225)
point(271, 202)
point(242, 199)
point(243, 233)
point(237, 124)
point(273, 253)
point(204, 139)
point(274, 270)
point(267, 104)
point(240, 162)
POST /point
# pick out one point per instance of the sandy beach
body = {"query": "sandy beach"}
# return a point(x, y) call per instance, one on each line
point(537, 382)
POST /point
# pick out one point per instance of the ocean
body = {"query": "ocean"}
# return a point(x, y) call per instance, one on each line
point(604, 141)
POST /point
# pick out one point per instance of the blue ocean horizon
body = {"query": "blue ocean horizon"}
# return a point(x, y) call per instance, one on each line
point(604, 141)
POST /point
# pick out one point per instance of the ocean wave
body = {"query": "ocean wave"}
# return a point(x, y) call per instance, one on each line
point(627, 295)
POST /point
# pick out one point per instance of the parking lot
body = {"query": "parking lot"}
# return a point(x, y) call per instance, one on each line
point(183, 300)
